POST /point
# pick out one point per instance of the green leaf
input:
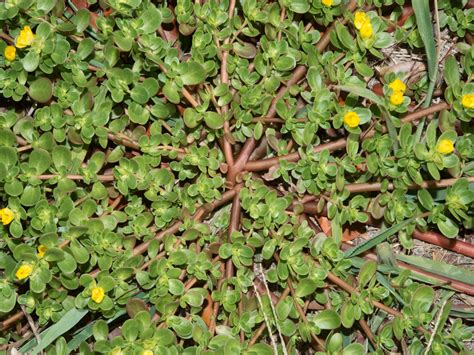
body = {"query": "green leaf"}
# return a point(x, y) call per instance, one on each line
point(214, 120)
point(40, 160)
point(422, 299)
point(362, 92)
point(30, 61)
point(425, 199)
point(85, 48)
point(151, 19)
point(46, 5)
point(138, 113)
point(100, 330)
point(451, 71)
point(81, 20)
point(305, 287)
point(448, 227)
point(327, 319)
point(299, 6)
point(354, 349)
point(367, 271)
point(192, 73)
point(41, 90)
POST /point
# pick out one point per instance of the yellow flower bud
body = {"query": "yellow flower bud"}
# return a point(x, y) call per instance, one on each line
point(468, 100)
point(327, 3)
point(445, 146)
point(24, 271)
point(6, 215)
point(351, 119)
point(396, 98)
point(147, 352)
point(9, 53)
point(360, 18)
point(25, 38)
point(366, 31)
point(398, 85)
point(98, 294)
point(41, 250)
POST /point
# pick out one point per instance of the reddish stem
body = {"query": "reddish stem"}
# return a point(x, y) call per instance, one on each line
point(265, 164)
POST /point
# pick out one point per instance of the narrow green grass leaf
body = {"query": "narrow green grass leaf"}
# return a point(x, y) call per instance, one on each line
point(86, 332)
point(466, 313)
point(425, 27)
point(439, 268)
point(69, 320)
point(362, 92)
point(379, 238)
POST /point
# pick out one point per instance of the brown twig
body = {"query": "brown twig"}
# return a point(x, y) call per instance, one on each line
point(31, 323)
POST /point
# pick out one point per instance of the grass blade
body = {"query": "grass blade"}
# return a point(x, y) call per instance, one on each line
point(86, 332)
point(379, 238)
point(69, 320)
point(425, 28)
point(439, 268)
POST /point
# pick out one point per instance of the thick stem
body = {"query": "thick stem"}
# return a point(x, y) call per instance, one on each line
point(428, 184)
point(265, 164)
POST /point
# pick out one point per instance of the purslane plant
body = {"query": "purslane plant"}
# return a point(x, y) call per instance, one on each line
point(166, 169)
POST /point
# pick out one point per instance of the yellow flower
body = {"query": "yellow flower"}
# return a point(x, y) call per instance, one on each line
point(398, 85)
point(147, 352)
point(366, 31)
point(98, 294)
point(10, 53)
point(351, 119)
point(24, 271)
point(6, 215)
point(327, 3)
point(360, 18)
point(41, 250)
point(445, 146)
point(468, 100)
point(396, 98)
point(25, 38)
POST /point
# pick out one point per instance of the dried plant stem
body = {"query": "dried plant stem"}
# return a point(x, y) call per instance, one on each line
point(31, 323)
point(267, 322)
point(261, 273)
point(260, 330)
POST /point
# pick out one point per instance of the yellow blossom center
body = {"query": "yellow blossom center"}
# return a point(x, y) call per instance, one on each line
point(398, 85)
point(396, 98)
point(10, 53)
point(98, 294)
point(445, 146)
point(6, 215)
point(24, 271)
point(351, 119)
point(25, 38)
point(360, 18)
point(41, 250)
point(327, 3)
point(366, 31)
point(147, 352)
point(468, 100)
